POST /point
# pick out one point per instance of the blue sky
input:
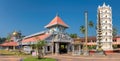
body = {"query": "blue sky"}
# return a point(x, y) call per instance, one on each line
point(30, 16)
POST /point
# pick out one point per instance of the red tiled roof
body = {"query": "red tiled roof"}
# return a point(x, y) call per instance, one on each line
point(35, 38)
point(82, 39)
point(56, 21)
point(116, 43)
point(94, 43)
point(9, 44)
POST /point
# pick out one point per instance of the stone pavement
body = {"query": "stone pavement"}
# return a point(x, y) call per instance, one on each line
point(9, 58)
point(110, 57)
point(66, 57)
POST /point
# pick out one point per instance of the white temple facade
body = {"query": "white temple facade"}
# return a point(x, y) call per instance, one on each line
point(57, 40)
point(104, 16)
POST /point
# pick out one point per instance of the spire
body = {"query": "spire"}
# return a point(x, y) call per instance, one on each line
point(99, 6)
point(104, 4)
point(57, 14)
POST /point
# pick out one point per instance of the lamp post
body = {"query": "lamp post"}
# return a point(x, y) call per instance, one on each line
point(86, 52)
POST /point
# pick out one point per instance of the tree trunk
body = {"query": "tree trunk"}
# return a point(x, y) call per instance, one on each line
point(40, 54)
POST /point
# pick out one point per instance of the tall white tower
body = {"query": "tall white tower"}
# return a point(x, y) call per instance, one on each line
point(104, 27)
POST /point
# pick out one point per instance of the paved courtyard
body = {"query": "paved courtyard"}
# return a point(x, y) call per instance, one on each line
point(110, 57)
point(65, 57)
point(9, 58)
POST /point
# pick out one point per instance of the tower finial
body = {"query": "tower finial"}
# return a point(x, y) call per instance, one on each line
point(104, 4)
point(57, 14)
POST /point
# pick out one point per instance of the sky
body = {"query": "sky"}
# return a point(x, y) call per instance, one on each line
point(30, 16)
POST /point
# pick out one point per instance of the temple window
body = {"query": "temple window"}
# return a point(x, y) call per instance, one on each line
point(106, 39)
point(114, 40)
point(105, 11)
point(105, 27)
point(106, 33)
point(48, 48)
point(105, 21)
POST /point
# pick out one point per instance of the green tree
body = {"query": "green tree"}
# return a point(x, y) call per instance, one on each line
point(73, 35)
point(2, 40)
point(40, 45)
point(8, 37)
point(91, 24)
point(82, 28)
point(114, 32)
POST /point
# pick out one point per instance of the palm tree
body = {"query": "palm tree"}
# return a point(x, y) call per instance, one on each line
point(90, 24)
point(82, 28)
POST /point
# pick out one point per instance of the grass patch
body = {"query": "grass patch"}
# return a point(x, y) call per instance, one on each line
point(36, 59)
point(6, 52)
point(13, 53)
point(25, 56)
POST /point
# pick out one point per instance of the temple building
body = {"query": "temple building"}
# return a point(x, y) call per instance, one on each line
point(12, 42)
point(104, 27)
point(58, 41)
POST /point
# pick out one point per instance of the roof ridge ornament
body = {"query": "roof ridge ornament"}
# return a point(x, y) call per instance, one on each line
point(57, 14)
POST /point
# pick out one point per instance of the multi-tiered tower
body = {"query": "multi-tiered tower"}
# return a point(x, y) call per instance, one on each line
point(104, 27)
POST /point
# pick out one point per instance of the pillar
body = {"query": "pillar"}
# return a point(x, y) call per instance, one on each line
point(13, 47)
point(73, 49)
point(68, 48)
point(80, 49)
point(52, 48)
point(56, 48)
point(44, 51)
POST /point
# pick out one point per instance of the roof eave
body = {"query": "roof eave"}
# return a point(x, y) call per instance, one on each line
point(48, 26)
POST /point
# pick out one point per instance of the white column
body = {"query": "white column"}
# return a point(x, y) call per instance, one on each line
point(13, 47)
point(43, 51)
point(79, 48)
point(73, 49)
point(52, 48)
point(56, 48)
point(68, 48)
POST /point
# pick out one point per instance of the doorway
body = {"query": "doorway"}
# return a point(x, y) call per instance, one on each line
point(63, 48)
